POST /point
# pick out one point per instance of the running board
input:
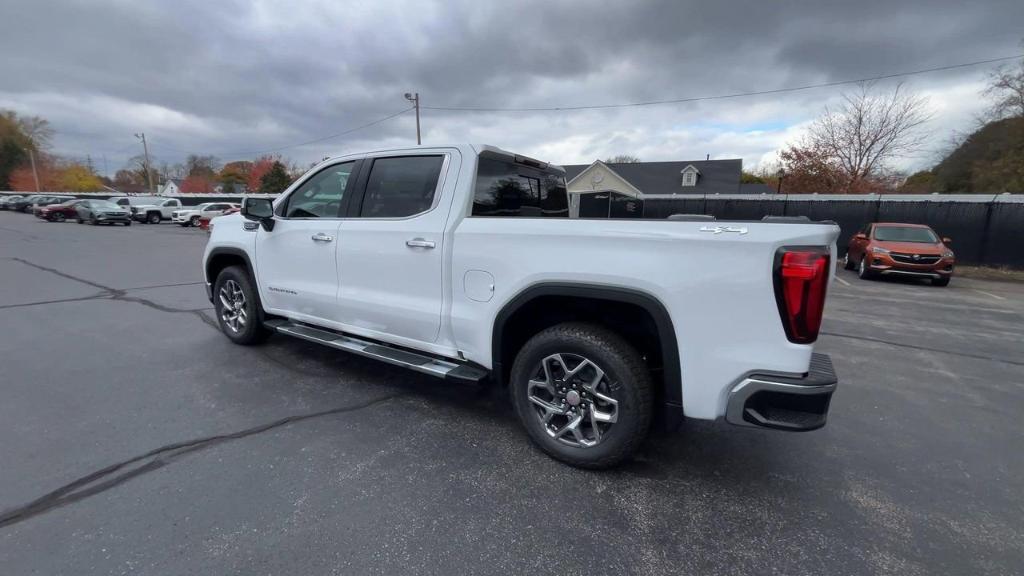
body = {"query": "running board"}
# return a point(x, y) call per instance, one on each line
point(452, 371)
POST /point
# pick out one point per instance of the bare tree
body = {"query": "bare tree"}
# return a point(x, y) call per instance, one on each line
point(1006, 89)
point(867, 131)
point(622, 159)
point(37, 130)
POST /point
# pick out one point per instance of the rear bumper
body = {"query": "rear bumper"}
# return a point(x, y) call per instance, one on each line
point(784, 402)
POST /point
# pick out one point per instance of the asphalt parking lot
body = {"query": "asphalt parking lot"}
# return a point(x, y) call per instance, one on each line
point(317, 462)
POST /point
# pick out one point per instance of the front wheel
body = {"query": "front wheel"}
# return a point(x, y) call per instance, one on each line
point(943, 281)
point(847, 262)
point(194, 222)
point(863, 271)
point(59, 217)
point(154, 218)
point(238, 307)
point(583, 393)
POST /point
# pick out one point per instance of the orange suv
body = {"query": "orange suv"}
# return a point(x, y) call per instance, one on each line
point(913, 250)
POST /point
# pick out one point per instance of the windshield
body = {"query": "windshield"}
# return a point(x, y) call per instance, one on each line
point(905, 234)
point(104, 205)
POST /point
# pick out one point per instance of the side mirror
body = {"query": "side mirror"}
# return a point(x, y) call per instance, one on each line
point(260, 210)
point(946, 240)
point(861, 236)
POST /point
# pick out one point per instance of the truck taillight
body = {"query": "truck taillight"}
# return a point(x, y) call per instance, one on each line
point(801, 279)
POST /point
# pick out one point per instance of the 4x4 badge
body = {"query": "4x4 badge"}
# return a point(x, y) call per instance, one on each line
point(720, 229)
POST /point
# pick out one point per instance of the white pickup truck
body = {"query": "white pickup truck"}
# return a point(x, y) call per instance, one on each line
point(462, 262)
point(153, 213)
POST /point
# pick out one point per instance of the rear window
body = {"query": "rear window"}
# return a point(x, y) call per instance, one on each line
point(905, 234)
point(506, 188)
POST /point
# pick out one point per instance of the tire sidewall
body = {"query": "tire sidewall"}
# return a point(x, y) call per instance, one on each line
point(619, 438)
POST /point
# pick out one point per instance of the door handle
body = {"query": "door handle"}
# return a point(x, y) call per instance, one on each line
point(419, 243)
point(321, 237)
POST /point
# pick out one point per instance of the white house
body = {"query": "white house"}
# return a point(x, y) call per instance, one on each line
point(170, 188)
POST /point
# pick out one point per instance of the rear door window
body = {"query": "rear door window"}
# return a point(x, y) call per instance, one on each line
point(401, 187)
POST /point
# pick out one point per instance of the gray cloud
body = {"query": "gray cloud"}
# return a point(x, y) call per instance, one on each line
point(223, 77)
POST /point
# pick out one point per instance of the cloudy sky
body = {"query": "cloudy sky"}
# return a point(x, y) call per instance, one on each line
point(236, 79)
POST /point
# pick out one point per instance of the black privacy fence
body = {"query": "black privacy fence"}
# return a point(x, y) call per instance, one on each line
point(984, 229)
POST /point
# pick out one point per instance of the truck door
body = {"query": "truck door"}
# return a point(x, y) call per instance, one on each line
point(296, 262)
point(390, 254)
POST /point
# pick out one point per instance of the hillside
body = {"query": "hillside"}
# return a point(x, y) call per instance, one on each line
point(989, 161)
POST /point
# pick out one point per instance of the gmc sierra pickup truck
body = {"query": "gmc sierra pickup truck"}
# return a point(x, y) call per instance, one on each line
point(462, 262)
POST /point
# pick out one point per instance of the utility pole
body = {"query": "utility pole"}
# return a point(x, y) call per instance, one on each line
point(145, 148)
point(415, 99)
point(32, 159)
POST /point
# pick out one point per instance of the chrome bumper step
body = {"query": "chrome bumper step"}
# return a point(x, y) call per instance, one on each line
point(441, 368)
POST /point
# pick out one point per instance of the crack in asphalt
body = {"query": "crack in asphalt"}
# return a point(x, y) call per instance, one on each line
point(108, 292)
point(923, 348)
point(106, 478)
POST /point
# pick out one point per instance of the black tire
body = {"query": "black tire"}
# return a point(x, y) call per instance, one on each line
point(184, 224)
point(253, 331)
point(80, 220)
point(59, 217)
point(863, 272)
point(93, 221)
point(628, 381)
point(153, 218)
point(847, 262)
point(943, 281)
point(127, 222)
point(194, 222)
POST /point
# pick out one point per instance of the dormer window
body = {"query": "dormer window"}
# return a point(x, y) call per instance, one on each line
point(690, 175)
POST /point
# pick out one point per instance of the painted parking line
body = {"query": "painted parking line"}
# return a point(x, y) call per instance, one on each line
point(845, 283)
point(996, 296)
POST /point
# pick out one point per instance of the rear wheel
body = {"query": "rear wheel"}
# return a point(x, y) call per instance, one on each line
point(59, 217)
point(238, 307)
point(847, 262)
point(583, 394)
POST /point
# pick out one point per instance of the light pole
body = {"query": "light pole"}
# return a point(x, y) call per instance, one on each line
point(32, 159)
point(145, 149)
point(415, 99)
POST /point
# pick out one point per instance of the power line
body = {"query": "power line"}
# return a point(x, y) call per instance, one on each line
point(330, 137)
point(722, 96)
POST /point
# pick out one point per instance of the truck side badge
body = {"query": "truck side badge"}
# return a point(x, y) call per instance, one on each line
point(719, 229)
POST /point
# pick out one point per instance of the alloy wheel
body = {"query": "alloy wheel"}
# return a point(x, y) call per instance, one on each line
point(571, 399)
point(233, 312)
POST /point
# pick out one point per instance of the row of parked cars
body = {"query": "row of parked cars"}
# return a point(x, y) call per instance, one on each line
point(116, 210)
